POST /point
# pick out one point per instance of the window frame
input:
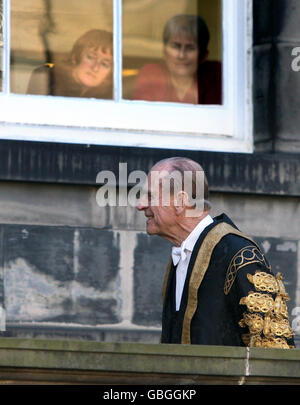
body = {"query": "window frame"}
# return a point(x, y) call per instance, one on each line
point(226, 128)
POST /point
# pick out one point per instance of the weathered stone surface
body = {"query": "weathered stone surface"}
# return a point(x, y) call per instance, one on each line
point(46, 250)
point(262, 97)
point(150, 261)
point(260, 216)
point(286, 19)
point(287, 101)
point(38, 361)
point(60, 274)
point(257, 166)
point(98, 257)
point(263, 24)
point(274, 362)
point(276, 23)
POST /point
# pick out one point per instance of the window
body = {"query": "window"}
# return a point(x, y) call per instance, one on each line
point(62, 48)
point(76, 72)
point(173, 52)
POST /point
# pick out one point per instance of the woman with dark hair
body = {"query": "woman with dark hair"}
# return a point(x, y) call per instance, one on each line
point(87, 72)
point(185, 75)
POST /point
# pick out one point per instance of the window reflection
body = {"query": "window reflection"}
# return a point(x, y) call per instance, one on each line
point(62, 48)
point(87, 72)
point(185, 71)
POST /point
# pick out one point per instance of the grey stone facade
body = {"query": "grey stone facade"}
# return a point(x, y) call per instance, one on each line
point(276, 89)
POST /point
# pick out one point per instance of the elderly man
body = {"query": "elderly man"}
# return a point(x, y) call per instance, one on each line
point(219, 288)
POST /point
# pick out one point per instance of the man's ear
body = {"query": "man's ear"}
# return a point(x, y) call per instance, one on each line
point(181, 202)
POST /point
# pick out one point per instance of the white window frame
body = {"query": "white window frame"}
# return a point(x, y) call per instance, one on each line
point(226, 128)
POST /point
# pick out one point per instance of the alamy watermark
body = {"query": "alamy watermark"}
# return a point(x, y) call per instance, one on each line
point(161, 188)
point(296, 61)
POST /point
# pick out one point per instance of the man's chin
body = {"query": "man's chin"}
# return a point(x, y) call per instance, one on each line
point(150, 230)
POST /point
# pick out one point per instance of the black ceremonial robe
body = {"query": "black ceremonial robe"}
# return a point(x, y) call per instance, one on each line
point(230, 296)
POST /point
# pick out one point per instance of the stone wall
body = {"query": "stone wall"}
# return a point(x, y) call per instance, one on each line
point(33, 361)
point(276, 90)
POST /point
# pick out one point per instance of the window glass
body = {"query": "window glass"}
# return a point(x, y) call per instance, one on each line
point(62, 48)
point(172, 51)
point(1, 43)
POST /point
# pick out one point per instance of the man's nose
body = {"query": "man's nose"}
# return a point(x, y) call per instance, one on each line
point(142, 203)
point(139, 206)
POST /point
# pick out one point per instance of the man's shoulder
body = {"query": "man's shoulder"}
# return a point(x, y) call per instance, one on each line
point(233, 240)
point(235, 253)
point(233, 250)
point(233, 243)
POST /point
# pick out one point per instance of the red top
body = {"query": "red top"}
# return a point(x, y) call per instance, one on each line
point(154, 84)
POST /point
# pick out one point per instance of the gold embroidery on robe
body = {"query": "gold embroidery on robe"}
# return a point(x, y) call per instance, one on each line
point(267, 319)
point(263, 282)
point(279, 343)
point(257, 302)
point(247, 255)
point(255, 322)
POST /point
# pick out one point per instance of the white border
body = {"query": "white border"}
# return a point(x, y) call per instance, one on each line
point(130, 123)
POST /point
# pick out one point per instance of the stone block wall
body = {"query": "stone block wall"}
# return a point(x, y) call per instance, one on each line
point(276, 89)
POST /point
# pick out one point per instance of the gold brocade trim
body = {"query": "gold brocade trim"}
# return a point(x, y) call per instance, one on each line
point(280, 308)
point(164, 287)
point(255, 322)
point(268, 320)
point(282, 291)
point(201, 264)
point(245, 256)
point(279, 328)
point(257, 302)
point(268, 283)
point(264, 282)
point(269, 326)
point(274, 342)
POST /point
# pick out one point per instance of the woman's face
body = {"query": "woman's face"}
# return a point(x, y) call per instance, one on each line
point(181, 55)
point(94, 67)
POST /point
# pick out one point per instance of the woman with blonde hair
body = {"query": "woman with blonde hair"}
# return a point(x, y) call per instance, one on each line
point(87, 72)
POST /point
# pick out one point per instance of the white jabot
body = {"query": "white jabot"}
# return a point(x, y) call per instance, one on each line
point(177, 254)
point(181, 256)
